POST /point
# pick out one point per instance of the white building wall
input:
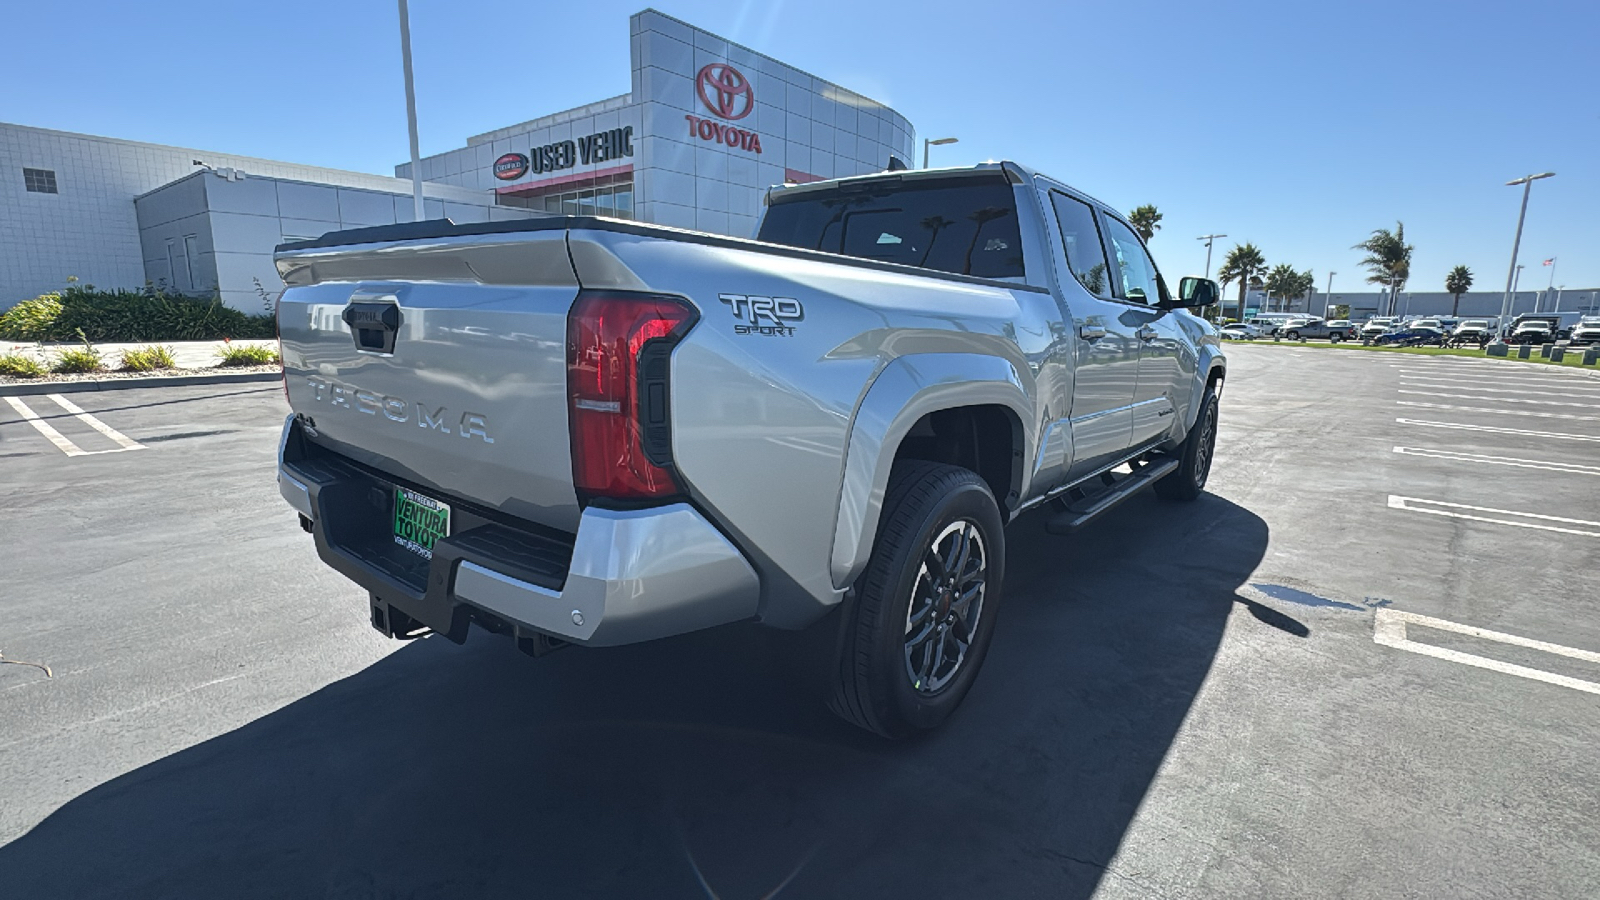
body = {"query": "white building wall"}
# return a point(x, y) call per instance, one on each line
point(233, 222)
point(809, 129)
point(90, 228)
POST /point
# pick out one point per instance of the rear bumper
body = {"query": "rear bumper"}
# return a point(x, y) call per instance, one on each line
point(626, 576)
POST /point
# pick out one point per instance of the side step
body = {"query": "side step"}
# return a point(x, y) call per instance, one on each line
point(1082, 507)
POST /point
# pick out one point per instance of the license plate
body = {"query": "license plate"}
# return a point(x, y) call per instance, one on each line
point(419, 521)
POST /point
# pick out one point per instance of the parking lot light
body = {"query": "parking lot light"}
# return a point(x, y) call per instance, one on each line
point(1527, 187)
point(934, 142)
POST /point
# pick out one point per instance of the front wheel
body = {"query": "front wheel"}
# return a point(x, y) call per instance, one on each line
point(918, 626)
point(1188, 481)
point(1335, 338)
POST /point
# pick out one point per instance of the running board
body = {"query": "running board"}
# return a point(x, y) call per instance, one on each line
point(1117, 488)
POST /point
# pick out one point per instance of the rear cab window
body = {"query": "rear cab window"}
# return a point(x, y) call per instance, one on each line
point(964, 225)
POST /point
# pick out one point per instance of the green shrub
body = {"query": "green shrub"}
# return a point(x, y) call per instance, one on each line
point(20, 365)
point(145, 359)
point(148, 315)
point(77, 361)
point(246, 355)
point(31, 320)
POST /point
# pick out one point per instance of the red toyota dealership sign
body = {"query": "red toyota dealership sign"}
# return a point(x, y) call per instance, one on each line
point(727, 93)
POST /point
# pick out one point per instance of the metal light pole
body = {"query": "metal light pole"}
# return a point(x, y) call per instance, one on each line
point(1208, 238)
point(1551, 286)
point(411, 111)
point(1328, 297)
point(1511, 274)
point(940, 142)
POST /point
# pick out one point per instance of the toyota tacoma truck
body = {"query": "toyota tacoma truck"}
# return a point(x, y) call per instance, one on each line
point(586, 431)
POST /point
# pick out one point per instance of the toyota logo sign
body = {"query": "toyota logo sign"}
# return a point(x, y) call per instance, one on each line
point(510, 167)
point(725, 91)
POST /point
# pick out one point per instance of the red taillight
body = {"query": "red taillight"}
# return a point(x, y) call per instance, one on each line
point(617, 349)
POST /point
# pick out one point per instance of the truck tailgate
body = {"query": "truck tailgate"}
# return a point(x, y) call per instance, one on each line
point(443, 365)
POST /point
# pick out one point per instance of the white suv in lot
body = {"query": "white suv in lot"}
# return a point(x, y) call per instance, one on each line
point(1587, 331)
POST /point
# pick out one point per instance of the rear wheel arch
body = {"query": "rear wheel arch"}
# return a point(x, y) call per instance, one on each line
point(920, 397)
point(983, 438)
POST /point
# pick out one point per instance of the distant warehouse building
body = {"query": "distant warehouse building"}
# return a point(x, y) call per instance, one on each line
point(706, 126)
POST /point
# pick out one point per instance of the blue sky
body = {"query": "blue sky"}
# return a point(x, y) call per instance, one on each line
point(1298, 126)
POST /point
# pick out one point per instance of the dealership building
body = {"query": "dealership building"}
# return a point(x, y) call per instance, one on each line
point(706, 126)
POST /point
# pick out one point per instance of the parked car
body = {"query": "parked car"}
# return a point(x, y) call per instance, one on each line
point(1270, 323)
point(1411, 336)
point(1240, 331)
point(1306, 329)
point(1534, 330)
point(1587, 331)
point(1472, 331)
point(696, 430)
point(1377, 325)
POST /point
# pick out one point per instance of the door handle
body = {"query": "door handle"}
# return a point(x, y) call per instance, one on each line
point(1091, 332)
point(1146, 333)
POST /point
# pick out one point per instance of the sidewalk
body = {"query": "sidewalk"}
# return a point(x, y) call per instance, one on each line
point(196, 364)
point(189, 354)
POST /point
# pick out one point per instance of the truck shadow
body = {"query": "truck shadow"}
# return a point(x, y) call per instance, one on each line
point(704, 766)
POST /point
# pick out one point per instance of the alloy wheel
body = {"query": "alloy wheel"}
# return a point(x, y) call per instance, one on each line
point(946, 606)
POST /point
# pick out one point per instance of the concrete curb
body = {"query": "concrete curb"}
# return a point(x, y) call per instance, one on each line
point(118, 384)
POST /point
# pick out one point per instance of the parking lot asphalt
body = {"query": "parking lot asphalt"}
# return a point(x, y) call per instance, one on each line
point(1364, 666)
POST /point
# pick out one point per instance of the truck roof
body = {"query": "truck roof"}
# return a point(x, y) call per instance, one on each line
point(1015, 172)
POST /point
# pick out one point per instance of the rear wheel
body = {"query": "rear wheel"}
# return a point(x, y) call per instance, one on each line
point(916, 630)
point(1188, 481)
point(1335, 337)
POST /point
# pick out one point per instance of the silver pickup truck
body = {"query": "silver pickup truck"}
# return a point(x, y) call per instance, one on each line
point(598, 432)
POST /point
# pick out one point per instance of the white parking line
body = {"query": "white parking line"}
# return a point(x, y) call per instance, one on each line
point(1389, 630)
point(1496, 399)
point(1503, 412)
point(44, 428)
point(60, 440)
point(1441, 508)
point(1551, 381)
point(116, 436)
point(1557, 390)
point(1554, 435)
point(1454, 456)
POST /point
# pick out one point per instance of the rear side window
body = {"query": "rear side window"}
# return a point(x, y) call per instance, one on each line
point(1086, 254)
point(966, 226)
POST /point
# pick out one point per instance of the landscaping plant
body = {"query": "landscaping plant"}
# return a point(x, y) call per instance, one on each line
point(246, 355)
point(149, 315)
point(146, 359)
point(21, 365)
point(79, 359)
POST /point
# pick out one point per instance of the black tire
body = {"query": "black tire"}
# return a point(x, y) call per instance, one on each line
point(880, 672)
point(1335, 337)
point(1293, 335)
point(1188, 481)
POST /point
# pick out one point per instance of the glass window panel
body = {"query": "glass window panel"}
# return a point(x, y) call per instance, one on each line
point(1086, 254)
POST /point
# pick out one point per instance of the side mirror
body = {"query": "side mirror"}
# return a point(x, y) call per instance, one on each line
point(1194, 293)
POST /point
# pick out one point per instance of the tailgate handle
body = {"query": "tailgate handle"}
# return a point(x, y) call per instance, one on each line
point(373, 325)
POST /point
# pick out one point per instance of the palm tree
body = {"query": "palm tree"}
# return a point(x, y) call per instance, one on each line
point(1244, 264)
point(1146, 220)
point(1458, 282)
point(1388, 260)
